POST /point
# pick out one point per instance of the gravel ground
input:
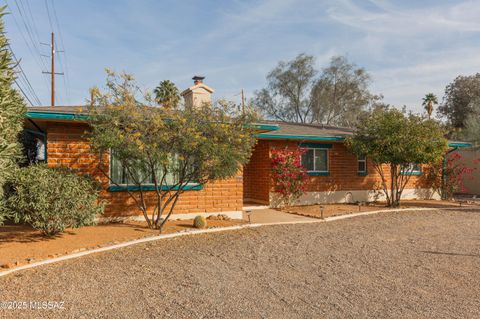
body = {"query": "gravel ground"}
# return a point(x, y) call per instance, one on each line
point(391, 265)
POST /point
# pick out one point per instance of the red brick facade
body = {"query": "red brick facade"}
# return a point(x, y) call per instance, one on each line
point(66, 145)
point(343, 174)
point(256, 174)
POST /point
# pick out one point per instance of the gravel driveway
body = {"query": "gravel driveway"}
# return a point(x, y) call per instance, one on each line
point(392, 265)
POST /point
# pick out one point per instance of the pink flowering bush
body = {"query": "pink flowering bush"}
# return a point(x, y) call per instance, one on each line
point(448, 177)
point(289, 176)
point(455, 174)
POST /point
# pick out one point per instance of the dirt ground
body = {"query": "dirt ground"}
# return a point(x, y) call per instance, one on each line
point(20, 244)
point(391, 265)
point(330, 210)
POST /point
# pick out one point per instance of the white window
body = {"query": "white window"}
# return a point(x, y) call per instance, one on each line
point(315, 160)
point(362, 165)
point(412, 169)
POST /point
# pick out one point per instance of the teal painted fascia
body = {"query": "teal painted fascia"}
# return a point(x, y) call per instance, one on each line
point(266, 127)
point(134, 188)
point(460, 144)
point(300, 137)
point(56, 116)
point(315, 145)
point(318, 173)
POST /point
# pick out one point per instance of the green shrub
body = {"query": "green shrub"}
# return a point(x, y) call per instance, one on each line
point(51, 199)
point(200, 222)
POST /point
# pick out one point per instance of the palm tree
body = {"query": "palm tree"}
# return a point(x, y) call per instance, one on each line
point(428, 101)
point(167, 95)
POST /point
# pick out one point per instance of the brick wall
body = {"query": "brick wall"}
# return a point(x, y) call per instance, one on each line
point(67, 146)
point(343, 171)
point(256, 174)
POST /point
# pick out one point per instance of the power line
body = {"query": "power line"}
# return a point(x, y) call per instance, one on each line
point(66, 79)
point(25, 80)
point(35, 56)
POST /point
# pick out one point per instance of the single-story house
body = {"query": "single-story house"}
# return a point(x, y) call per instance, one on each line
point(335, 174)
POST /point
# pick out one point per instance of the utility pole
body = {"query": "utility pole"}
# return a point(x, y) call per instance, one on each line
point(52, 72)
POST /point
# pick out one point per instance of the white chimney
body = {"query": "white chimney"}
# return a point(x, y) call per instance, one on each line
point(198, 94)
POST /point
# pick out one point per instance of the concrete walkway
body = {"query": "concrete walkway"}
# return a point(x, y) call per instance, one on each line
point(267, 216)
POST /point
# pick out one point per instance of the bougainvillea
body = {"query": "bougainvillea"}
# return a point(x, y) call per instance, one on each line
point(448, 176)
point(289, 176)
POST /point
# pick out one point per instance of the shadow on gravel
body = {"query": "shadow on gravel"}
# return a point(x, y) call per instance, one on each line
point(449, 254)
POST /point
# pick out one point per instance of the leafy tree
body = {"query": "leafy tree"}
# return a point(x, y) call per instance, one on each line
point(341, 93)
point(294, 94)
point(459, 99)
point(428, 101)
point(167, 94)
point(394, 141)
point(288, 175)
point(169, 149)
point(287, 96)
point(471, 132)
point(12, 109)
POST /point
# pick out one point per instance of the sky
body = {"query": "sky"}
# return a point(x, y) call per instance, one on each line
point(408, 47)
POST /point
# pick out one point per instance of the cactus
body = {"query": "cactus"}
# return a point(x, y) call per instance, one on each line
point(200, 222)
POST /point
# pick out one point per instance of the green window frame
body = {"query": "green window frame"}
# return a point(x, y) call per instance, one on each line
point(121, 181)
point(362, 165)
point(411, 169)
point(316, 160)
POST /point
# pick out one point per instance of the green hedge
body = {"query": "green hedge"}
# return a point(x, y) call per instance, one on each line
point(51, 199)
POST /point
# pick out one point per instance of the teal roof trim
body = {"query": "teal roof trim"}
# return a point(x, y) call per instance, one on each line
point(267, 127)
point(56, 116)
point(300, 137)
point(460, 144)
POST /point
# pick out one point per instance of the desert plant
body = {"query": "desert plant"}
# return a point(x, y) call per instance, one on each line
point(200, 222)
point(12, 109)
point(288, 175)
point(165, 152)
point(51, 199)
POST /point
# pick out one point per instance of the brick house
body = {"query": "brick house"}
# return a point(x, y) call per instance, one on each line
point(336, 175)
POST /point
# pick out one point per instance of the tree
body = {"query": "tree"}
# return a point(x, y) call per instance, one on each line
point(287, 96)
point(167, 94)
point(288, 175)
point(428, 101)
point(471, 132)
point(294, 94)
point(394, 142)
point(459, 98)
point(341, 93)
point(171, 150)
point(12, 109)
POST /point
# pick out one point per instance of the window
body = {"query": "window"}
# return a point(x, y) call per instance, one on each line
point(121, 176)
point(362, 165)
point(315, 160)
point(412, 169)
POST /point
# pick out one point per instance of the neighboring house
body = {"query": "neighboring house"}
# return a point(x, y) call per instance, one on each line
point(336, 175)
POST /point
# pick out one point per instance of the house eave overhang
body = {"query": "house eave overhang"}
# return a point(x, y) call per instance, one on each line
point(62, 116)
point(459, 144)
point(267, 136)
